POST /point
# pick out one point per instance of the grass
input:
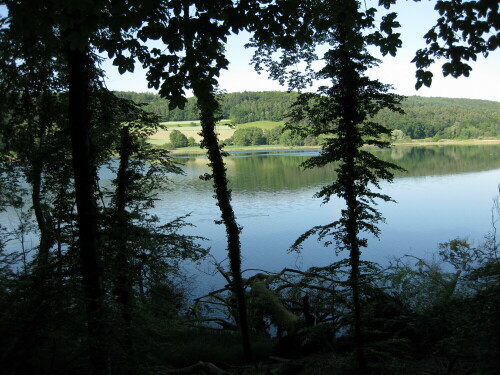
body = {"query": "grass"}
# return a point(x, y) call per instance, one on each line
point(192, 123)
point(163, 136)
point(192, 128)
point(264, 125)
point(225, 131)
point(255, 124)
point(180, 124)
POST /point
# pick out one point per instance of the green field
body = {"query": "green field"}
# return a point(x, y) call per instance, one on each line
point(264, 125)
point(255, 124)
point(180, 124)
point(223, 129)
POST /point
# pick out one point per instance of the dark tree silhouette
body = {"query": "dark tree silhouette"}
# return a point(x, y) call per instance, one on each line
point(343, 111)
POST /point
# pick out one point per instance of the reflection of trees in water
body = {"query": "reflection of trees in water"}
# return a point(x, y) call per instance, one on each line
point(274, 172)
point(442, 160)
point(398, 153)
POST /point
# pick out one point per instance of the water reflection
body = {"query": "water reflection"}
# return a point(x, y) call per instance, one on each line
point(279, 170)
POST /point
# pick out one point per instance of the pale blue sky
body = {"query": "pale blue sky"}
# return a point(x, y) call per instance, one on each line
point(415, 18)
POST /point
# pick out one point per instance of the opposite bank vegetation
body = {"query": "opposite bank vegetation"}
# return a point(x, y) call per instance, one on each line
point(436, 118)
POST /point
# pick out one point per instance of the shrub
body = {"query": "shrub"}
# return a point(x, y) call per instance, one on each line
point(177, 139)
point(248, 137)
point(273, 135)
point(287, 138)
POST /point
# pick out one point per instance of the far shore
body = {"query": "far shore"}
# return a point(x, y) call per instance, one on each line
point(416, 142)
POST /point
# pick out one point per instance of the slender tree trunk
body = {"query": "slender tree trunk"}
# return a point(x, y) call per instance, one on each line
point(83, 167)
point(352, 229)
point(37, 105)
point(354, 257)
point(46, 233)
point(350, 108)
point(208, 105)
point(123, 287)
point(223, 195)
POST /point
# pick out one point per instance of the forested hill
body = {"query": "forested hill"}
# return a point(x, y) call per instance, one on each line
point(424, 117)
point(241, 107)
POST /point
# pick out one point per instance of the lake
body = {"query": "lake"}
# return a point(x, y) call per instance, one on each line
point(447, 192)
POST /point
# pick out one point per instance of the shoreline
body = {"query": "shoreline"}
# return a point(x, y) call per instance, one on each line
point(413, 143)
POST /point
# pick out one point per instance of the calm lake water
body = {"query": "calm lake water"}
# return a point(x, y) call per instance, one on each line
point(447, 192)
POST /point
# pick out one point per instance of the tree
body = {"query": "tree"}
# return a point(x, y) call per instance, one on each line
point(273, 135)
point(343, 111)
point(199, 30)
point(248, 137)
point(143, 253)
point(70, 34)
point(177, 139)
point(201, 79)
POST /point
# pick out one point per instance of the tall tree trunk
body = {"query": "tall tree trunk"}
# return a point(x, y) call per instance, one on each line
point(352, 226)
point(350, 107)
point(354, 257)
point(123, 286)
point(223, 195)
point(204, 90)
point(46, 233)
point(83, 167)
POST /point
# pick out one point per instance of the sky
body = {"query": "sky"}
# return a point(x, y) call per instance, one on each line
point(415, 18)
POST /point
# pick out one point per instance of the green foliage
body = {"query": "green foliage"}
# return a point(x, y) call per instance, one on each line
point(421, 117)
point(240, 107)
point(448, 118)
point(453, 303)
point(397, 135)
point(248, 137)
point(273, 135)
point(178, 139)
point(464, 30)
point(264, 125)
point(246, 106)
point(288, 138)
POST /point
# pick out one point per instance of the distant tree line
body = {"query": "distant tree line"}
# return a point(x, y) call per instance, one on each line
point(423, 117)
point(444, 118)
point(240, 107)
point(254, 136)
